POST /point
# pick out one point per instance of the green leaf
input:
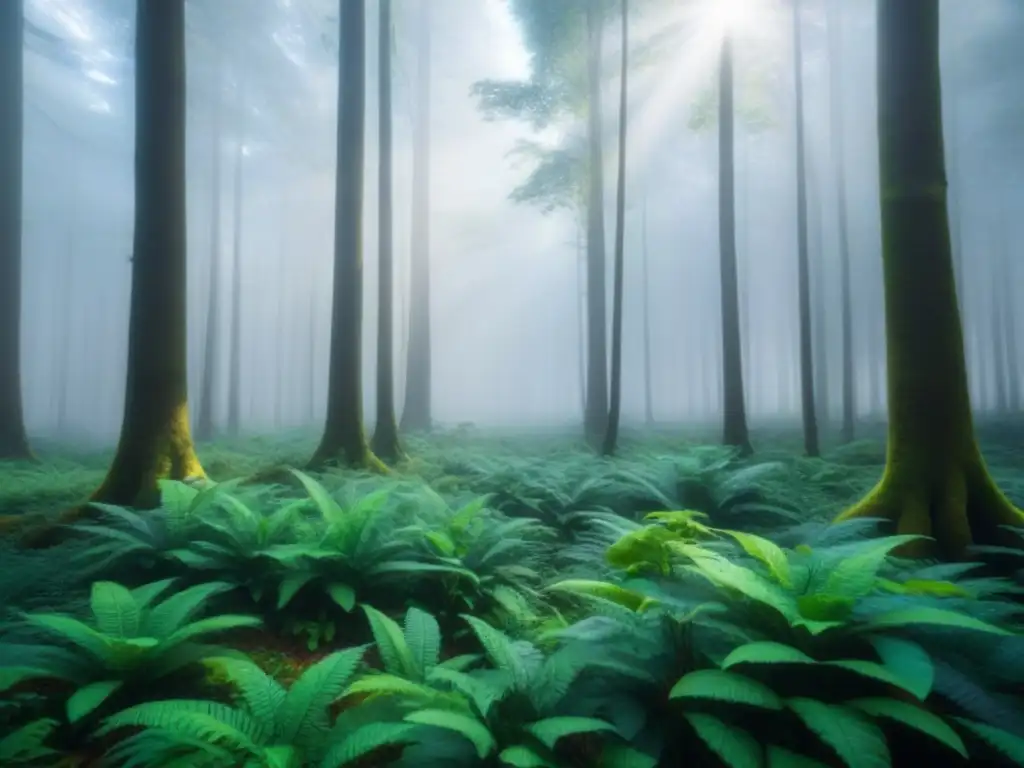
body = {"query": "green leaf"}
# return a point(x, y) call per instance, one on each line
point(305, 706)
point(855, 576)
point(621, 756)
point(523, 757)
point(391, 645)
point(116, 612)
point(829, 609)
point(1006, 744)
point(858, 742)
point(290, 586)
point(871, 670)
point(366, 739)
point(768, 553)
point(725, 686)
point(614, 593)
point(423, 639)
point(87, 698)
point(921, 720)
point(469, 727)
point(923, 614)
point(343, 595)
point(766, 653)
point(908, 661)
point(736, 747)
point(783, 758)
point(549, 730)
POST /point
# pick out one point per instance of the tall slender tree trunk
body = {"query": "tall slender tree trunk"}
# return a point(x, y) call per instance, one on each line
point(417, 414)
point(67, 293)
point(835, 43)
point(997, 316)
point(935, 481)
point(611, 436)
point(743, 261)
point(734, 430)
point(807, 406)
point(311, 373)
point(13, 438)
point(211, 346)
point(581, 316)
point(235, 363)
point(1006, 287)
point(597, 349)
point(819, 275)
point(155, 441)
point(344, 438)
point(648, 376)
point(281, 340)
point(385, 434)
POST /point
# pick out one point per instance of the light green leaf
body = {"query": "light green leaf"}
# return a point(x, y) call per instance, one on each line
point(736, 747)
point(614, 593)
point(290, 586)
point(858, 742)
point(86, 699)
point(549, 730)
point(116, 612)
point(343, 595)
point(923, 614)
point(908, 661)
point(766, 653)
point(767, 552)
point(725, 686)
point(921, 720)
point(469, 727)
point(523, 757)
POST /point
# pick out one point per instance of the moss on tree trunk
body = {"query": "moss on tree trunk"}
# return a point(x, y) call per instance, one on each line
point(344, 437)
point(156, 441)
point(935, 481)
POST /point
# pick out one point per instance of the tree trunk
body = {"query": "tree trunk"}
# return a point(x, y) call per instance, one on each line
point(734, 431)
point(935, 481)
point(67, 294)
point(311, 360)
point(13, 438)
point(211, 347)
point(417, 413)
point(581, 317)
point(155, 441)
point(648, 383)
point(611, 436)
point(837, 116)
point(997, 316)
point(1005, 287)
point(281, 340)
point(807, 406)
point(344, 439)
point(597, 351)
point(235, 363)
point(819, 288)
point(385, 434)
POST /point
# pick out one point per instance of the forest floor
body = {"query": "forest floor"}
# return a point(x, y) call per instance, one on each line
point(480, 526)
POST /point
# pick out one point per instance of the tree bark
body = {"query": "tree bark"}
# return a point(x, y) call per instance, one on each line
point(344, 438)
point(648, 383)
point(417, 414)
point(13, 437)
point(385, 442)
point(935, 481)
point(211, 346)
point(734, 430)
point(597, 349)
point(611, 436)
point(807, 406)
point(235, 362)
point(835, 44)
point(155, 441)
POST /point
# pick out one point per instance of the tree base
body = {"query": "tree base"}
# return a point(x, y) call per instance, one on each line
point(957, 507)
point(327, 456)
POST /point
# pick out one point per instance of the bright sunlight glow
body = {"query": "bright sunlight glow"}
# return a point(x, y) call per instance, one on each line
point(725, 16)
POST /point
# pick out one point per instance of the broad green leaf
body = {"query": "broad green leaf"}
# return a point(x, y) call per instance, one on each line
point(1006, 744)
point(115, 609)
point(343, 595)
point(919, 719)
point(766, 653)
point(907, 661)
point(768, 553)
point(627, 598)
point(871, 670)
point(523, 757)
point(725, 686)
point(372, 736)
point(423, 639)
point(469, 727)
point(858, 742)
point(549, 730)
point(290, 586)
point(783, 758)
point(855, 576)
point(923, 614)
point(87, 698)
point(736, 747)
point(391, 644)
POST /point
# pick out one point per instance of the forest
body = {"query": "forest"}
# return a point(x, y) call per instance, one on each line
point(686, 335)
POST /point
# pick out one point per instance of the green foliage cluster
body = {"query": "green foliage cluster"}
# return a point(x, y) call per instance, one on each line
point(660, 609)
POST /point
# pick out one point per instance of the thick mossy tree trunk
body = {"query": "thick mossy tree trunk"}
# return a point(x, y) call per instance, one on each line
point(385, 434)
point(935, 481)
point(807, 406)
point(417, 413)
point(155, 440)
point(344, 438)
point(13, 438)
point(211, 345)
point(734, 429)
point(835, 47)
point(596, 414)
point(611, 435)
